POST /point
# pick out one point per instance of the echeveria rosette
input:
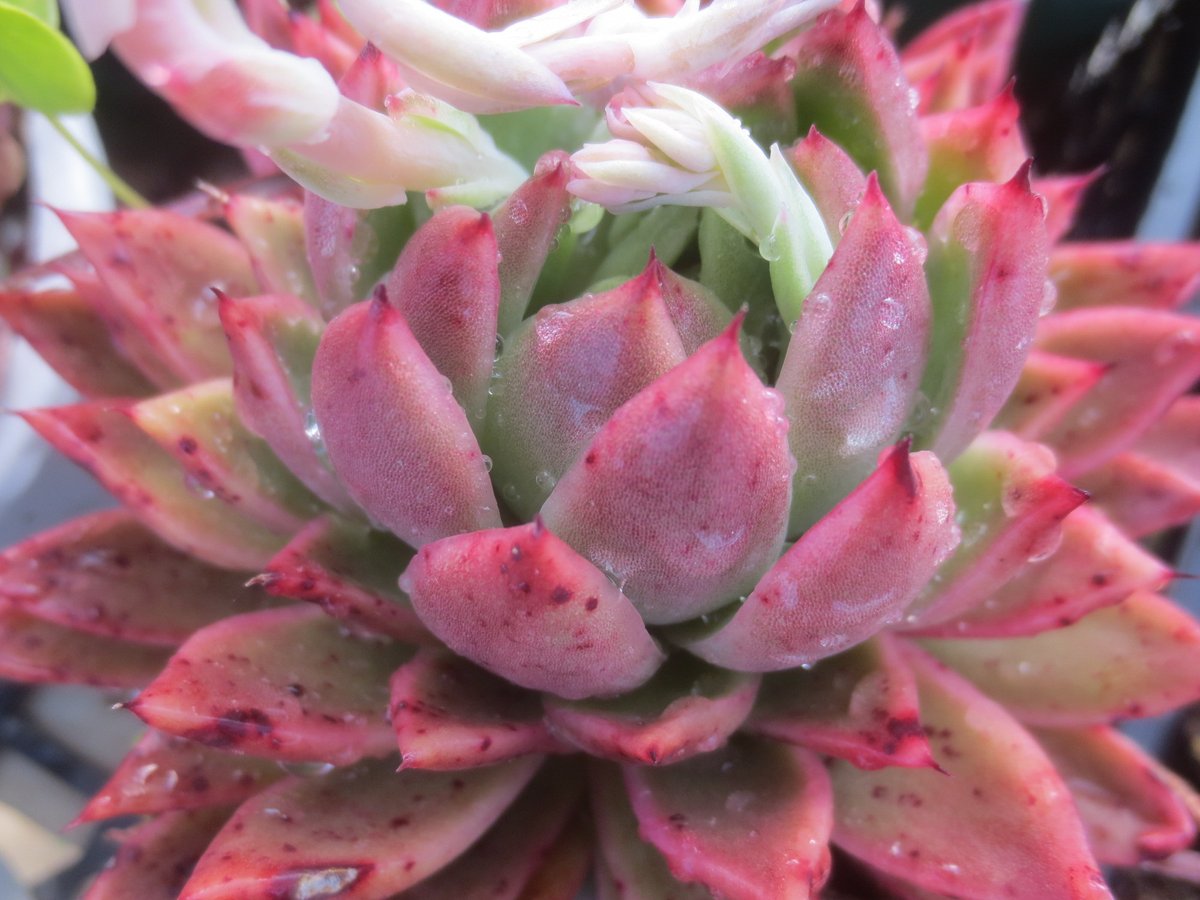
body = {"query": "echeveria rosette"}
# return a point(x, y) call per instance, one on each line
point(675, 546)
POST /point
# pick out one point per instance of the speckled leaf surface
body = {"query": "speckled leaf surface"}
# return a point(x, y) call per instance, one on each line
point(1049, 386)
point(832, 178)
point(1125, 273)
point(272, 231)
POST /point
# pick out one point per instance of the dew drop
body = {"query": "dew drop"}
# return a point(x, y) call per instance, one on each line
point(891, 313)
point(197, 488)
point(844, 222)
point(545, 480)
point(1049, 298)
point(487, 463)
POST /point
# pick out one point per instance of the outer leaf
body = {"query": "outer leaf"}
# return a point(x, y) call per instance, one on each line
point(397, 438)
point(107, 574)
point(566, 869)
point(1152, 357)
point(855, 359)
point(349, 571)
point(1125, 273)
point(446, 284)
point(1049, 386)
point(284, 683)
point(849, 84)
point(698, 814)
point(832, 178)
point(39, 68)
point(851, 575)
point(357, 832)
point(1063, 195)
point(687, 708)
point(986, 271)
point(101, 438)
point(1130, 813)
point(563, 374)
point(1011, 507)
point(37, 651)
point(450, 714)
point(1001, 825)
point(272, 230)
point(698, 314)
point(1139, 658)
point(524, 605)
point(860, 705)
point(159, 268)
point(683, 494)
point(162, 773)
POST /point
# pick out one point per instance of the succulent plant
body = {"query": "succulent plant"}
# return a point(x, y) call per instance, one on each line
point(645, 444)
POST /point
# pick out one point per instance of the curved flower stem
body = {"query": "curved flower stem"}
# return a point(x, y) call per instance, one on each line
point(120, 188)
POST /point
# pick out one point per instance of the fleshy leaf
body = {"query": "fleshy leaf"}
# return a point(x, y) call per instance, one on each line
point(683, 494)
point(521, 603)
point(101, 438)
point(698, 814)
point(1130, 813)
point(107, 574)
point(1049, 386)
point(860, 705)
point(1138, 658)
point(832, 178)
point(272, 230)
point(446, 284)
point(349, 571)
point(849, 576)
point(1125, 273)
point(562, 375)
point(1094, 566)
point(986, 270)
point(160, 268)
point(37, 651)
point(687, 708)
point(850, 85)
point(698, 314)
point(855, 359)
point(1151, 356)
point(163, 773)
point(1015, 831)
point(154, 859)
point(565, 870)
point(199, 428)
point(1011, 506)
point(363, 831)
point(449, 714)
point(397, 438)
point(284, 684)
point(1063, 195)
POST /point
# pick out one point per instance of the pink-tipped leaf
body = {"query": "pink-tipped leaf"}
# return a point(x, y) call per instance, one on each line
point(1125, 273)
point(830, 176)
point(272, 230)
point(1063, 195)
point(1049, 386)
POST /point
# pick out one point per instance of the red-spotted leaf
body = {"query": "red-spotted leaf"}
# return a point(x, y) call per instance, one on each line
point(397, 438)
point(521, 603)
point(702, 813)
point(36, 651)
point(563, 374)
point(283, 683)
point(855, 359)
point(502, 864)
point(1063, 195)
point(986, 270)
point(273, 340)
point(163, 773)
point(682, 496)
point(1049, 386)
point(446, 285)
point(1138, 658)
point(629, 867)
point(154, 859)
point(359, 832)
point(272, 230)
point(102, 439)
point(832, 178)
point(1011, 507)
point(526, 226)
point(1131, 814)
point(199, 428)
point(159, 269)
point(964, 57)
point(860, 705)
point(982, 143)
point(106, 574)
point(850, 85)
point(450, 714)
point(1095, 565)
point(1125, 273)
point(349, 571)
point(1151, 357)
point(688, 707)
point(67, 332)
point(1000, 824)
point(851, 575)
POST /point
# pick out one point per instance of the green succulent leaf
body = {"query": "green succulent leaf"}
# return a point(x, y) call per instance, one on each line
point(39, 68)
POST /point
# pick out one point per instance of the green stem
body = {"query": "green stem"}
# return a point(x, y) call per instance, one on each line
point(123, 191)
